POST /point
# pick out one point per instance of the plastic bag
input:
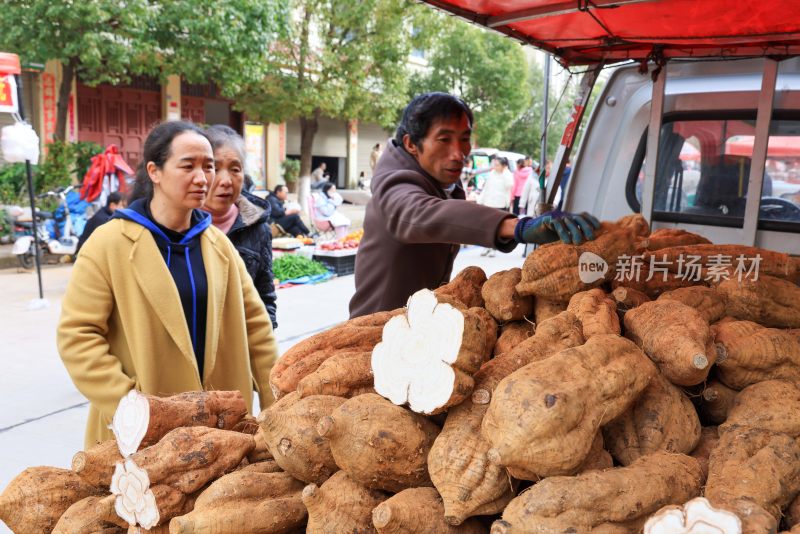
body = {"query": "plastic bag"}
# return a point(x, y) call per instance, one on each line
point(20, 143)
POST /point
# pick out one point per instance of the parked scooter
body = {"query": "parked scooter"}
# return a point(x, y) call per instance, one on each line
point(61, 246)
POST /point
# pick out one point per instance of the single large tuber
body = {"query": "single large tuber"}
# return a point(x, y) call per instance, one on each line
point(708, 302)
point(615, 500)
point(662, 418)
point(670, 237)
point(465, 287)
point(513, 334)
point(343, 375)
point(91, 514)
point(543, 418)
point(502, 299)
point(96, 464)
point(676, 337)
point(340, 505)
point(380, 445)
point(768, 301)
point(141, 420)
point(716, 401)
point(427, 357)
point(290, 431)
point(35, 499)
point(596, 312)
point(245, 503)
point(468, 483)
point(751, 353)
point(418, 510)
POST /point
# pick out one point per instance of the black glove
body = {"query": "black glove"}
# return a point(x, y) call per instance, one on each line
point(554, 225)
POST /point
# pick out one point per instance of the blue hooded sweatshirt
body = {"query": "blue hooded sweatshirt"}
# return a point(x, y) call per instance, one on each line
point(184, 258)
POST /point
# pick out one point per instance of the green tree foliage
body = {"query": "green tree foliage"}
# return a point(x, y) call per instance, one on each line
point(339, 59)
point(107, 41)
point(485, 69)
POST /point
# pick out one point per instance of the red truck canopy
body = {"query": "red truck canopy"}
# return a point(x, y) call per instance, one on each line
point(581, 32)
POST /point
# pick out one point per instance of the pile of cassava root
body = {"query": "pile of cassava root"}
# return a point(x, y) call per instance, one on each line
point(531, 402)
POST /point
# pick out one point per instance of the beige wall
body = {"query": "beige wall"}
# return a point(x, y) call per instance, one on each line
point(330, 141)
point(171, 99)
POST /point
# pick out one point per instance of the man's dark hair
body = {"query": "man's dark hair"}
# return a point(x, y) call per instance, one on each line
point(158, 148)
point(502, 161)
point(426, 108)
point(114, 198)
point(278, 189)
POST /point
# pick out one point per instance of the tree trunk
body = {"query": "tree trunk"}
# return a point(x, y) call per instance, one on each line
point(62, 109)
point(308, 130)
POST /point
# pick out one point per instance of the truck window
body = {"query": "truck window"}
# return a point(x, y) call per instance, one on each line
point(704, 169)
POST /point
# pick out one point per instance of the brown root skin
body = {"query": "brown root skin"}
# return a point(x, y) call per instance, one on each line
point(264, 466)
point(341, 375)
point(96, 465)
point(670, 237)
point(544, 309)
point(407, 511)
point(245, 502)
point(502, 299)
point(628, 298)
point(290, 432)
point(380, 445)
point(340, 505)
point(771, 263)
point(755, 354)
point(716, 400)
point(91, 514)
point(662, 418)
point(708, 302)
point(356, 335)
point(468, 483)
point(544, 417)
point(188, 458)
point(759, 436)
point(709, 439)
point(613, 500)
point(248, 425)
point(36, 498)
point(261, 450)
point(466, 287)
point(513, 334)
point(596, 312)
point(675, 337)
point(551, 272)
point(222, 410)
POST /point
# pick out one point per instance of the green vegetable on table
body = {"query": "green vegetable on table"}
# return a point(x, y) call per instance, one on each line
point(291, 266)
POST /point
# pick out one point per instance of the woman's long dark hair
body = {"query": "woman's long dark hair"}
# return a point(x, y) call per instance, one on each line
point(158, 148)
point(327, 187)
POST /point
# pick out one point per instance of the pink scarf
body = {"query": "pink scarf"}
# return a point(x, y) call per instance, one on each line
point(225, 222)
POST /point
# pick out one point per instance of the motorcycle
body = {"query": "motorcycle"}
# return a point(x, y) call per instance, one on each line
point(61, 246)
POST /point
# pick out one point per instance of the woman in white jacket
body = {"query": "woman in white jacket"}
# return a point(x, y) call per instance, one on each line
point(497, 190)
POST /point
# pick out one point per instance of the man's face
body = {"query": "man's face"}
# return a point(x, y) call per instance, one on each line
point(442, 151)
point(323, 166)
point(282, 193)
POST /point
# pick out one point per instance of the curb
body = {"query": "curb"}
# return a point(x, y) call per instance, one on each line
point(7, 262)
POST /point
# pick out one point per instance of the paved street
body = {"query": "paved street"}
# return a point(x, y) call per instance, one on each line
point(43, 415)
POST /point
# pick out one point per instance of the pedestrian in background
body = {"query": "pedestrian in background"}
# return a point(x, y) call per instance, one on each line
point(326, 204)
point(497, 189)
point(243, 217)
point(521, 175)
point(287, 218)
point(159, 299)
point(113, 201)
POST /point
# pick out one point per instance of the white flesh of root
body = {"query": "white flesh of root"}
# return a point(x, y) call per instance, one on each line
point(135, 502)
point(696, 517)
point(130, 422)
point(412, 362)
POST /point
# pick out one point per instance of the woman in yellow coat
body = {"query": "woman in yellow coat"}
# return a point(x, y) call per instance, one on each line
point(159, 300)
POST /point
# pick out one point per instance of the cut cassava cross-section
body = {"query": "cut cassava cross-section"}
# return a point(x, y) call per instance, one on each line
point(427, 357)
point(468, 482)
point(141, 419)
point(543, 418)
point(290, 431)
point(35, 499)
point(340, 505)
point(417, 510)
point(245, 503)
point(676, 337)
point(617, 500)
point(695, 517)
point(380, 445)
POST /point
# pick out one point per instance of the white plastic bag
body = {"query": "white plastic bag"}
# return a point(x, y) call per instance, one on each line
point(20, 143)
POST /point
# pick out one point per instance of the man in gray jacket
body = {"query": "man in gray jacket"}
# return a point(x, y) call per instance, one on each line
point(418, 215)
